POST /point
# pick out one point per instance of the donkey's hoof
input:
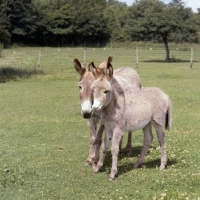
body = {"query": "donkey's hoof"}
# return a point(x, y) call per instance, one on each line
point(88, 162)
point(95, 169)
point(162, 167)
point(128, 153)
point(136, 165)
point(111, 178)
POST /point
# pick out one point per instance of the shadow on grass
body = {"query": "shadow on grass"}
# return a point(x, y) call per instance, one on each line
point(10, 73)
point(129, 166)
point(168, 61)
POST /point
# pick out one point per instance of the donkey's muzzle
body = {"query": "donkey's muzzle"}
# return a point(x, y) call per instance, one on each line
point(96, 107)
point(86, 109)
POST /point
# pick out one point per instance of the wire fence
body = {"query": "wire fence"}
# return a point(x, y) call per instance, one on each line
point(58, 60)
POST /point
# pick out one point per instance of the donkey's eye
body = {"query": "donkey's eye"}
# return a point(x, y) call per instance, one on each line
point(80, 88)
point(105, 92)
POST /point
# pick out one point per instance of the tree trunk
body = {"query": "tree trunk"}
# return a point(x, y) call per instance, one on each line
point(165, 39)
point(191, 58)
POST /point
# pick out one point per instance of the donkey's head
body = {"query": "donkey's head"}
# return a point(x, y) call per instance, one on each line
point(86, 79)
point(101, 87)
point(84, 83)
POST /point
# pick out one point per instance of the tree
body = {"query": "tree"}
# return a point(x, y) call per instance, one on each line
point(23, 20)
point(113, 24)
point(152, 18)
point(116, 15)
point(197, 19)
point(187, 30)
point(4, 24)
point(61, 23)
point(75, 21)
point(90, 23)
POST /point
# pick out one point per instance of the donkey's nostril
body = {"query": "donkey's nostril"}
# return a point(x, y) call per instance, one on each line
point(86, 114)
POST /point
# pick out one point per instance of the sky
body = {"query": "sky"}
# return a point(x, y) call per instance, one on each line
point(194, 4)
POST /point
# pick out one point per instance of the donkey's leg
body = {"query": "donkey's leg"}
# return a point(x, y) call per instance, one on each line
point(161, 140)
point(129, 144)
point(98, 143)
point(148, 138)
point(120, 143)
point(92, 124)
point(117, 135)
point(105, 146)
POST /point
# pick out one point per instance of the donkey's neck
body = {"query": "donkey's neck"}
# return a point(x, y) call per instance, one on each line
point(117, 100)
point(117, 88)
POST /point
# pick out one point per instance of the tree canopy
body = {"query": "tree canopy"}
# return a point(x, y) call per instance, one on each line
point(78, 22)
point(154, 20)
point(4, 24)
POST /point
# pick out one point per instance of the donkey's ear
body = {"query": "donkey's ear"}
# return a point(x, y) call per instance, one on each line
point(110, 59)
point(103, 65)
point(90, 67)
point(78, 67)
point(109, 71)
point(95, 71)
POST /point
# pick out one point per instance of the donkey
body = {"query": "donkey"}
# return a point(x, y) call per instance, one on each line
point(85, 96)
point(124, 110)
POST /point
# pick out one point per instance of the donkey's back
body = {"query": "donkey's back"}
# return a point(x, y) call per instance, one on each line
point(150, 104)
point(129, 77)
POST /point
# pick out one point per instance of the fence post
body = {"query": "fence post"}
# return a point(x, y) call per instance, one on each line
point(191, 58)
point(39, 58)
point(137, 60)
point(1, 49)
point(85, 55)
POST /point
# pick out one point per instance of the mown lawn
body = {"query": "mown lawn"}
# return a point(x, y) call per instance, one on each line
point(44, 141)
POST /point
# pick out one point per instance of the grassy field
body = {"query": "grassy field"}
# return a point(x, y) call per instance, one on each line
point(44, 141)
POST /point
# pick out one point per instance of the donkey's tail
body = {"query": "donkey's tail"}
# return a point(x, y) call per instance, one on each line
point(168, 119)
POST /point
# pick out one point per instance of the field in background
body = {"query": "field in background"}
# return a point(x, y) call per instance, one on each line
point(44, 141)
point(55, 60)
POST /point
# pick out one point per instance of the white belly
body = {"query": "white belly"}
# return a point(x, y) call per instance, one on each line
point(136, 125)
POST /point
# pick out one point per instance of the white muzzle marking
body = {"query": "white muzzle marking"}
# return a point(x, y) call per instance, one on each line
point(96, 105)
point(86, 107)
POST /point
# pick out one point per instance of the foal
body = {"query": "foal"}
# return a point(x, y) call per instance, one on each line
point(124, 110)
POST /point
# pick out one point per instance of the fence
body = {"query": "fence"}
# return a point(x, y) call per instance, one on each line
point(1, 49)
point(57, 60)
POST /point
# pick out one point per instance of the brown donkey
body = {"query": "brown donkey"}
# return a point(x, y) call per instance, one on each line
point(86, 99)
point(124, 110)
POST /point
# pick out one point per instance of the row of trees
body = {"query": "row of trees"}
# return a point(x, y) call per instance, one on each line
point(75, 22)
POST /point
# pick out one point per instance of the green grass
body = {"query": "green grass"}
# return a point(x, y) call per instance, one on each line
point(44, 141)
